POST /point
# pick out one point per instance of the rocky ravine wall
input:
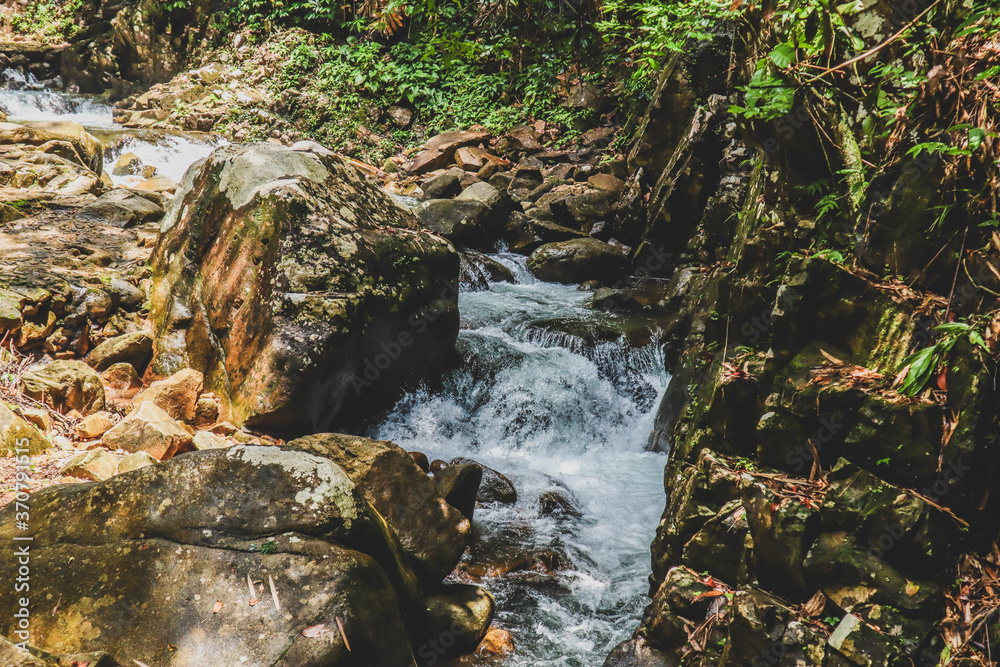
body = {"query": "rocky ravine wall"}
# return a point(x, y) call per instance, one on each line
point(814, 515)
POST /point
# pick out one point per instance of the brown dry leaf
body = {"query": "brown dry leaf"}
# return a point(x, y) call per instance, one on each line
point(253, 591)
point(830, 357)
point(340, 624)
point(814, 607)
point(314, 631)
point(274, 593)
point(217, 607)
point(911, 588)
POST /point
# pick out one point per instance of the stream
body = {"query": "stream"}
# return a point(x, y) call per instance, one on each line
point(548, 412)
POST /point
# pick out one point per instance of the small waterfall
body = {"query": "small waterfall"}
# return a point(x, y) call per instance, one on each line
point(551, 416)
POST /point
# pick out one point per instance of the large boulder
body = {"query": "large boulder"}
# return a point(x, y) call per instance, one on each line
point(433, 534)
point(300, 290)
point(578, 260)
point(156, 566)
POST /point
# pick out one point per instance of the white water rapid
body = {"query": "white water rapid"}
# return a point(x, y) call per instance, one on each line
point(551, 418)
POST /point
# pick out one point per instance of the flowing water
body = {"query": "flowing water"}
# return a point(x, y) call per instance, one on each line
point(170, 152)
point(547, 411)
point(552, 416)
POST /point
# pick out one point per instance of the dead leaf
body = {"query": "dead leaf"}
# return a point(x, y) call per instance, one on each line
point(343, 634)
point(274, 593)
point(218, 607)
point(814, 607)
point(830, 357)
point(911, 588)
point(253, 591)
point(314, 631)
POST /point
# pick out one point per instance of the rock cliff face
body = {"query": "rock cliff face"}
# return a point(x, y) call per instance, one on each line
point(301, 291)
point(815, 515)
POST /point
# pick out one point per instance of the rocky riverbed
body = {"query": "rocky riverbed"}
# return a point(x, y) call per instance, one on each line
point(511, 398)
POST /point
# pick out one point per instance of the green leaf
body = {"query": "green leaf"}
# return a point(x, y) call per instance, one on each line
point(976, 137)
point(782, 56)
point(922, 365)
point(977, 339)
point(953, 328)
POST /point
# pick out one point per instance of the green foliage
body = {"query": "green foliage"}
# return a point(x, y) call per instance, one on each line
point(921, 364)
point(51, 20)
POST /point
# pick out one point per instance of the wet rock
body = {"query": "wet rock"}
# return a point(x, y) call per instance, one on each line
point(458, 616)
point(557, 504)
point(497, 643)
point(578, 260)
point(95, 465)
point(477, 271)
point(135, 349)
point(149, 429)
point(432, 533)
point(177, 395)
point(94, 426)
point(65, 385)
point(163, 531)
point(302, 279)
point(494, 487)
point(459, 485)
point(127, 164)
point(421, 460)
point(17, 434)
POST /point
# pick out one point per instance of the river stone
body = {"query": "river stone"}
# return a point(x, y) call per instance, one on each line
point(433, 534)
point(65, 385)
point(177, 395)
point(135, 349)
point(459, 484)
point(121, 208)
point(134, 461)
point(88, 150)
point(149, 429)
point(16, 433)
point(94, 426)
point(443, 186)
point(439, 150)
point(494, 488)
point(95, 465)
point(164, 545)
point(577, 260)
point(208, 440)
point(121, 384)
point(463, 222)
point(300, 290)
point(460, 612)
